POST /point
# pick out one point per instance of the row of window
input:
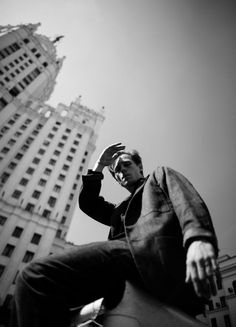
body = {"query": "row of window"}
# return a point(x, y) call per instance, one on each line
point(7, 51)
point(15, 90)
point(9, 249)
point(12, 141)
point(21, 67)
point(36, 237)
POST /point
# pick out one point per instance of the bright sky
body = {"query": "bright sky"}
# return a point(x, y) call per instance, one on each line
point(165, 72)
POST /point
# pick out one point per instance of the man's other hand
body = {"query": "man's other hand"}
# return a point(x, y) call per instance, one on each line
point(201, 268)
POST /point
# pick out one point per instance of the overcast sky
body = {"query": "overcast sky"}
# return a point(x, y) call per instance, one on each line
point(165, 72)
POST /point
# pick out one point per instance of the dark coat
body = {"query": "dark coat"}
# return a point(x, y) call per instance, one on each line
point(161, 219)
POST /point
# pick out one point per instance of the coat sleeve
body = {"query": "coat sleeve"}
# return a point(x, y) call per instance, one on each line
point(90, 202)
point(192, 212)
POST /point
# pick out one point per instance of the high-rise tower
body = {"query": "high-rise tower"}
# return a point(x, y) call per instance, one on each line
point(43, 152)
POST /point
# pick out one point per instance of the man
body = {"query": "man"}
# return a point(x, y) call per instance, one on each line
point(161, 238)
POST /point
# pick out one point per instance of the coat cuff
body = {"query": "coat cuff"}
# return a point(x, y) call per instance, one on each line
point(92, 175)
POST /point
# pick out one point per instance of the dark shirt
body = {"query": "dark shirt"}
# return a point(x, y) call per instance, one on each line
point(120, 229)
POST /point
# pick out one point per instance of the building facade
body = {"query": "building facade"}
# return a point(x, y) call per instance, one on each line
point(43, 153)
point(221, 311)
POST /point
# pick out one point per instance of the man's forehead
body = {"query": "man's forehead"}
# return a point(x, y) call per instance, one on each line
point(122, 158)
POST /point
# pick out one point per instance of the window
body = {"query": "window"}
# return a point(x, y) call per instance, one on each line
point(16, 194)
point(67, 208)
point(74, 186)
point(63, 220)
point(42, 182)
point(29, 140)
point(65, 167)
point(71, 196)
point(18, 156)
point(52, 162)
point(57, 153)
point(80, 168)
point(36, 194)
point(14, 91)
point(8, 250)
point(223, 301)
point(29, 207)
point(83, 160)
point(47, 171)
point(50, 136)
point(28, 256)
point(52, 201)
point(77, 177)
point(57, 188)
point(41, 151)
point(17, 232)
point(46, 143)
point(12, 165)
point(3, 219)
point(35, 132)
point(39, 126)
point(46, 213)
point(72, 150)
point(61, 177)
point(69, 158)
point(17, 134)
point(24, 181)
point(78, 135)
point(2, 268)
point(11, 142)
point(3, 103)
point(64, 137)
point(4, 177)
point(86, 153)
point(218, 282)
point(24, 147)
point(58, 234)
point(5, 150)
point(55, 128)
point(36, 160)
point(30, 171)
point(68, 130)
point(36, 238)
point(61, 145)
point(58, 123)
point(23, 127)
point(76, 142)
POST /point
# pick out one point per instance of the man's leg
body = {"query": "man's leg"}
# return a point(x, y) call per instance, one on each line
point(47, 288)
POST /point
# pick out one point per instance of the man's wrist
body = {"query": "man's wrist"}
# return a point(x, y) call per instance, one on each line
point(99, 166)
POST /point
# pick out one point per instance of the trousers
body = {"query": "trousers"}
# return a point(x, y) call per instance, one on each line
point(47, 288)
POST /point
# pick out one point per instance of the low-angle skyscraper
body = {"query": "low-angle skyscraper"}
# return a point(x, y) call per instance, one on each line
point(43, 152)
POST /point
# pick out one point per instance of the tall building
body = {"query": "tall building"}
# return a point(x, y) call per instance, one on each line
point(221, 310)
point(43, 152)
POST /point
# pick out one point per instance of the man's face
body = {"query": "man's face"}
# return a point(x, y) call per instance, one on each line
point(127, 172)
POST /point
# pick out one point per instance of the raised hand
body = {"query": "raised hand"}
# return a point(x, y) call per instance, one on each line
point(108, 156)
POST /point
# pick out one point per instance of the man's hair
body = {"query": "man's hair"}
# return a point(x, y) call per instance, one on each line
point(134, 155)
